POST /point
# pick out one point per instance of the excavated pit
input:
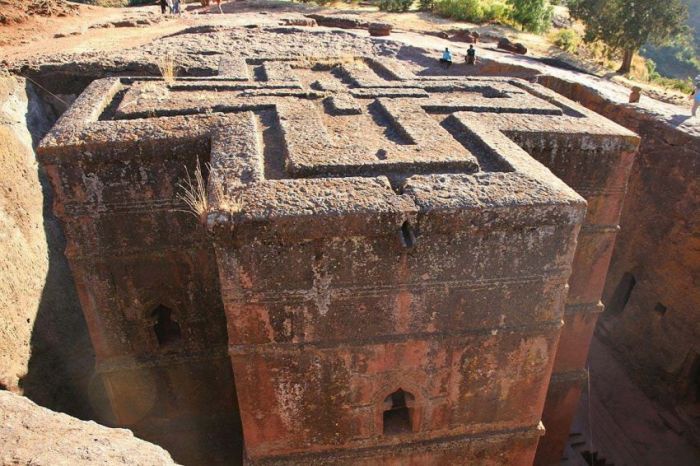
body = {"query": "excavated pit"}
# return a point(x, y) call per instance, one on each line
point(59, 374)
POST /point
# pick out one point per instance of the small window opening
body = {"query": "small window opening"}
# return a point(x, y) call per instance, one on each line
point(408, 236)
point(397, 418)
point(622, 294)
point(166, 329)
point(660, 308)
point(694, 385)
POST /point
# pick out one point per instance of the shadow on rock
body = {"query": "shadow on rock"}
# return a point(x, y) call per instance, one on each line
point(61, 366)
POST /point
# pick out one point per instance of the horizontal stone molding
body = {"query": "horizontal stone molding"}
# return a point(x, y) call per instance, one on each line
point(532, 329)
point(130, 363)
point(406, 447)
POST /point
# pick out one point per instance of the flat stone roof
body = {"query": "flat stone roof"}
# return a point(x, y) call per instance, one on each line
point(339, 137)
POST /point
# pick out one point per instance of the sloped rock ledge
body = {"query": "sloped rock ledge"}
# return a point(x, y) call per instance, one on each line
point(30, 434)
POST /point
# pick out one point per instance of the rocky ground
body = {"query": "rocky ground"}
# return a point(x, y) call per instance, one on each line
point(88, 29)
point(32, 435)
point(43, 336)
point(618, 419)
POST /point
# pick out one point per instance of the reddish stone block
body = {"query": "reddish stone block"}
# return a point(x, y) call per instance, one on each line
point(597, 168)
point(563, 395)
point(390, 258)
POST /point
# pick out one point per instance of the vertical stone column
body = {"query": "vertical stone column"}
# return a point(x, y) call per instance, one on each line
point(145, 273)
point(598, 169)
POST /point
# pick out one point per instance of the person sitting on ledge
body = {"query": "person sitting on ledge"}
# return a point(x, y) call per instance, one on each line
point(695, 96)
point(635, 95)
point(446, 59)
point(471, 55)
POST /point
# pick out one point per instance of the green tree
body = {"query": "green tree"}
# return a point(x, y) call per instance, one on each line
point(533, 15)
point(626, 25)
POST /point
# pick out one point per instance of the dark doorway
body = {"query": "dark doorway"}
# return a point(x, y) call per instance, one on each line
point(167, 330)
point(397, 418)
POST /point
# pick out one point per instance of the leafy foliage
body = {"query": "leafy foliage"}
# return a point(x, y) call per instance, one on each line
point(426, 5)
point(629, 24)
point(395, 5)
point(684, 85)
point(533, 15)
point(567, 39)
point(694, 22)
point(473, 11)
point(678, 60)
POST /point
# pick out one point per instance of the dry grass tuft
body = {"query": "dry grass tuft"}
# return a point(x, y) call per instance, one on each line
point(193, 192)
point(166, 65)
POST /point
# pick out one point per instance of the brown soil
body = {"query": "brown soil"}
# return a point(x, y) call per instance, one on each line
point(93, 29)
point(18, 11)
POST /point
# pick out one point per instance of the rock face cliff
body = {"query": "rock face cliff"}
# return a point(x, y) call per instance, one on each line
point(30, 434)
point(45, 351)
point(652, 292)
point(23, 257)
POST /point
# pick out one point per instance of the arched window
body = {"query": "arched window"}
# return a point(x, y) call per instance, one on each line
point(397, 413)
point(166, 329)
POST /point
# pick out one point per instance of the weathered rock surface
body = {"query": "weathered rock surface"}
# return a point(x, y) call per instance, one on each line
point(340, 21)
point(653, 289)
point(465, 35)
point(44, 348)
point(30, 434)
point(23, 254)
point(197, 51)
point(515, 47)
point(658, 228)
point(299, 21)
point(335, 135)
point(379, 29)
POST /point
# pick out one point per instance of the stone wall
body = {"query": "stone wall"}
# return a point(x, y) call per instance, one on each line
point(341, 166)
point(146, 278)
point(44, 347)
point(23, 255)
point(597, 169)
point(652, 294)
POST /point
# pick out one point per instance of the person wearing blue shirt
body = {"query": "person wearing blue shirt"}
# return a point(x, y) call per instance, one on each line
point(696, 95)
point(446, 59)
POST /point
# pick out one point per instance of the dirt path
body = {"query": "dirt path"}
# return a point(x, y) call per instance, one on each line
point(81, 33)
point(97, 29)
